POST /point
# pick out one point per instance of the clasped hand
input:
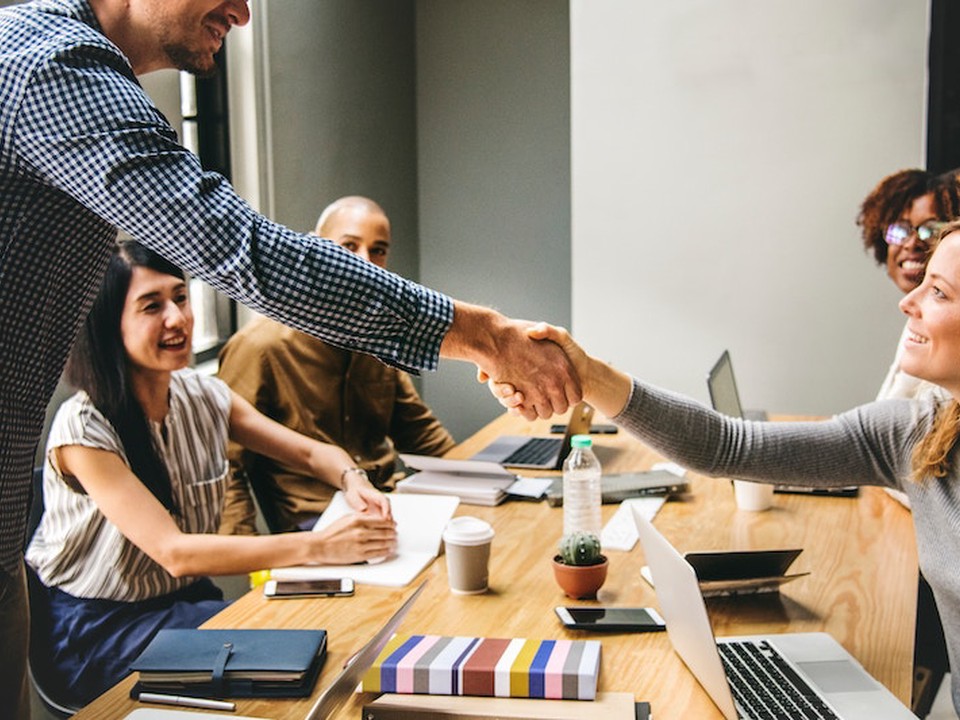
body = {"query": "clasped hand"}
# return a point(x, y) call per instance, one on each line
point(547, 339)
point(532, 377)
point(368, 533)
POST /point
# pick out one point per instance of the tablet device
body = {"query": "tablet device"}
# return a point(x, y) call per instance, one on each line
point(743, 572)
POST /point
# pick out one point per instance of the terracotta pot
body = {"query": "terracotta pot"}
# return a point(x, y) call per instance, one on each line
point(580, 581)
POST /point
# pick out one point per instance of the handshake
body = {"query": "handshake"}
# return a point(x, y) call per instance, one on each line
point(533, 369)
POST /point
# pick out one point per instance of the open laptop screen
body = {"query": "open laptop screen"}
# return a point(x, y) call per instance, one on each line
point(723, 387)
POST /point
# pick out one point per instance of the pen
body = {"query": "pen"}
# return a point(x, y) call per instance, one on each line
point(183, 701)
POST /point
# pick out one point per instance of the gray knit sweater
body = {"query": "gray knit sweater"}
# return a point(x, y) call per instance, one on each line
point(870, 445)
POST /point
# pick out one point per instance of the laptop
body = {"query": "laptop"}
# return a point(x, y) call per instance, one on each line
point(819, 679)
point(725, 398)
point(542, 453)
point(722, 385)
point(336, 694)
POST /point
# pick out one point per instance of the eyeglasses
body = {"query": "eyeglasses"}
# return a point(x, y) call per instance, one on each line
point(899, 232)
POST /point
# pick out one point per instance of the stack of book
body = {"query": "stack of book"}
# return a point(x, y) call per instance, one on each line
point(437, 665)
point(474, 482)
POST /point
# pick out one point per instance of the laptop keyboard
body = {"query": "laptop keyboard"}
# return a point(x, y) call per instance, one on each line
point(765, 686)
point(536, 451)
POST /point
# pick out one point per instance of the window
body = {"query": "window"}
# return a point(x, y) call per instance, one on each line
point(203, 106)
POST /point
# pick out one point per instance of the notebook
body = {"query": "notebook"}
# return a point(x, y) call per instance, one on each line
point(819, 675)
point(722, 385)
point(544, 453)
point(231, 663)
point(336, 694)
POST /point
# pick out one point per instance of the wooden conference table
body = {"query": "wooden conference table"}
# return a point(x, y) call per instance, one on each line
point(861, 588)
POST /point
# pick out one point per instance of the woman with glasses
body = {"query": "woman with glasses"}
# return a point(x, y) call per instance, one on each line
point(134, 480)
point(899, 219)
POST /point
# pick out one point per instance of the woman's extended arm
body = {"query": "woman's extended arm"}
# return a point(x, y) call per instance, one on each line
point(330, 463)
point(868, 445)
point(127, 503)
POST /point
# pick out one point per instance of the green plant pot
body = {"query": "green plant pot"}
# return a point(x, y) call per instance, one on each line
point(580, 581)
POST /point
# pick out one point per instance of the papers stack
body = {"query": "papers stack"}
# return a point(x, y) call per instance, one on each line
point(474, 482)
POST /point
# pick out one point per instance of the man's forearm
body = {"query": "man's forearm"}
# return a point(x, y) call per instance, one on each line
point(473, 334)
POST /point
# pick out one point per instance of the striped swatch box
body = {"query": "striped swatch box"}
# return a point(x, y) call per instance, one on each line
point(436, 665)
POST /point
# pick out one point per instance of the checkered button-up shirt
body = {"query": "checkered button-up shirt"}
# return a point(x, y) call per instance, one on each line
point(83, 151)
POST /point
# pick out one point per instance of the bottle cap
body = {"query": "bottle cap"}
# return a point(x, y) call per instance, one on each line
point(581, 441)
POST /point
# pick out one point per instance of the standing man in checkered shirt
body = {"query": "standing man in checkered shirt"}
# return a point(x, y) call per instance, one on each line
point(83, 153)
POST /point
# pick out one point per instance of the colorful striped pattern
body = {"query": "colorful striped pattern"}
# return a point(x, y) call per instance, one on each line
point(435, 665)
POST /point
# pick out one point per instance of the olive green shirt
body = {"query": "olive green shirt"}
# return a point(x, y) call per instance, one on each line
point(348, 399)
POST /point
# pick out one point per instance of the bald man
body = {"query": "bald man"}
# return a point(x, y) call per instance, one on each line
point(350, 399)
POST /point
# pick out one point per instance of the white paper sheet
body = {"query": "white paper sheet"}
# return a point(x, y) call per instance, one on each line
point(420, 522)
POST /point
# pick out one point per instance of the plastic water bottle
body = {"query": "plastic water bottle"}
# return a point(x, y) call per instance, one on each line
point(581, 488)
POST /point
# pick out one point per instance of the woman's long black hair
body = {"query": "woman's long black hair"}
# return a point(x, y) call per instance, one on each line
point(98, 365)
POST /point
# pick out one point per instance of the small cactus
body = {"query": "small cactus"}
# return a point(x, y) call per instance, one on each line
point(580, 548)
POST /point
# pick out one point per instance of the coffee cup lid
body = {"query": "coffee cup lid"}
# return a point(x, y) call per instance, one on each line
point(467, 531)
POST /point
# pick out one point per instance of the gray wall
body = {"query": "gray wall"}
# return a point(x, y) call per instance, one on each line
point(493, 104)
point(720, 153)
point(336, 110)
point(453, 115)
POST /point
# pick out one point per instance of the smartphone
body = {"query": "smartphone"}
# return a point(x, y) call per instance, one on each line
point(621, 619)
point(307, 588)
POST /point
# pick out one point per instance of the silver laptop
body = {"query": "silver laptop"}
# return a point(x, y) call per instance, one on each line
point(336, 694)
point(722, 385)
point(819, 678)
point(543, 453)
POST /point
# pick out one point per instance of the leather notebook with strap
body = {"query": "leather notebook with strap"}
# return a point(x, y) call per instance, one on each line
point(231, 663)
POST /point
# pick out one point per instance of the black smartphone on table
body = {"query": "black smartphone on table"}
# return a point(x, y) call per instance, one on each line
point(620, 619)
point(307, 588)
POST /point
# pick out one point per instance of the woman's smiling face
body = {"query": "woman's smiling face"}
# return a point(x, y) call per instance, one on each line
point(932, 347)
point(157, 322)
point(905, 263)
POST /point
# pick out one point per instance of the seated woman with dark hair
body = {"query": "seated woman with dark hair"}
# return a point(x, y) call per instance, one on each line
point(134, 479)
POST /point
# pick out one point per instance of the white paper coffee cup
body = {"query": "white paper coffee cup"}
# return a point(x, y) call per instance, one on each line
point(467, 542)
point(752, 496)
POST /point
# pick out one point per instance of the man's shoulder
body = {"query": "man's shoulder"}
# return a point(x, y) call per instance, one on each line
point(260, 332)
point(48, 26)
point(47, 33)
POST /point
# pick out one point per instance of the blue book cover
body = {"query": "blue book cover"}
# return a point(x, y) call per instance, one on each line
point(232, 663)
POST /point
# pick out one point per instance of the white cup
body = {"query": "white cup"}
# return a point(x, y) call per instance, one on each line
point(467, 542)
point(752, 496)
